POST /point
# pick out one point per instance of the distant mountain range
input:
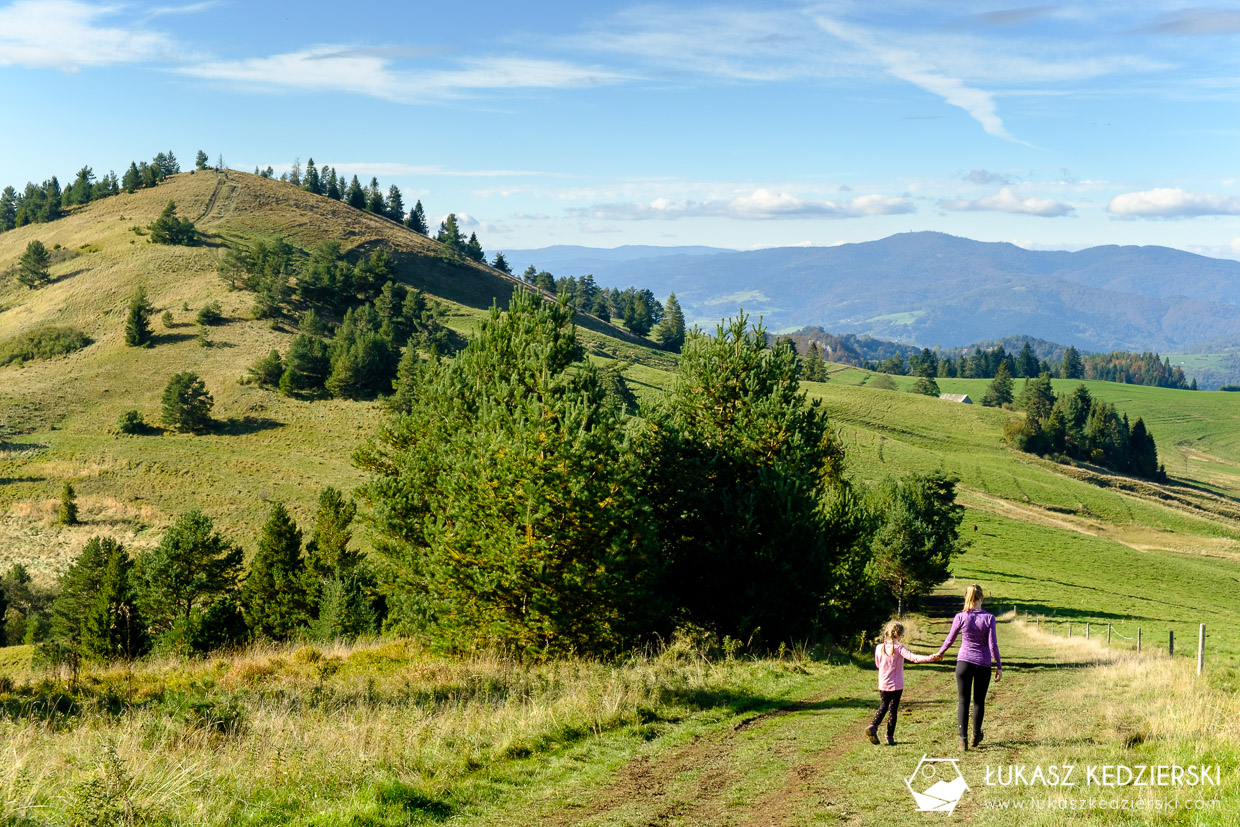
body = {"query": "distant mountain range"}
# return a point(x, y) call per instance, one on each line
point(933, 289)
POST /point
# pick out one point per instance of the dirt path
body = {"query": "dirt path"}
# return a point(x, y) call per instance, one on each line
point(808, 761)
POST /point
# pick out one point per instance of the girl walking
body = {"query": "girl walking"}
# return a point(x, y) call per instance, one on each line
point(889, 657)
point(978, 646)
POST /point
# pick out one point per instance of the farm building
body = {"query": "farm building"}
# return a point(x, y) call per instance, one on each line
point(963, 398)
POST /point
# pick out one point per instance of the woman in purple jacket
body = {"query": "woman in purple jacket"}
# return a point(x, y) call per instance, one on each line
point(978, 646)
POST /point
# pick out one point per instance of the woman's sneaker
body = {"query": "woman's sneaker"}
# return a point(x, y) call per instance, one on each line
point(977, 738)
point(872, 734)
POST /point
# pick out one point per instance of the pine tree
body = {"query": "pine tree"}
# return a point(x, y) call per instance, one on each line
point(670, 332)
point(310, 181)
point(34, 266)
point(67, 514)
point(267, 371)
point(305, 367)
point(999, 391)
point(374, 198)
point(186, 403)
point(395, 204)
point(294, 173)
point(518, 449)
point(452, 243)
point(356, 196)
point(417, 219)
point(8, 209)
point(473, 250)
point(500, 263)
point(1026, 362)
point(168, 229)
point(201, 161)
point(274, 593)
point(918, 536)
point(926, 386)
point(192, 565)
point(333, 185)
point(132, 179)
point(327, 550)
point(81, 190)
point(138, 320)
point(95, 615)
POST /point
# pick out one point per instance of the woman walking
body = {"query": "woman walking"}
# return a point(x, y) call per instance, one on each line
point(978, 646)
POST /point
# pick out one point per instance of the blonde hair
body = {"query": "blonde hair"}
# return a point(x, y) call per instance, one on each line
point(973, 597)
point(894, 630)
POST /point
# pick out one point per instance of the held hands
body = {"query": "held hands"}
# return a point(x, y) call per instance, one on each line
point(936, 657)
point(998, 674)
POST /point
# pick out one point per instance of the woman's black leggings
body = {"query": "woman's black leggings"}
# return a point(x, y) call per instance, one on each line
point(974, 680)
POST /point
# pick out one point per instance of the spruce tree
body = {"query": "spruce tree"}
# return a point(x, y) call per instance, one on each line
point(473, 249)
point(670, 332)
point(452, 243)
point(192, 565)
point(138, 320)
point(356, 196)
point(274, 593)
point(500, 263)
point(999, 391)
point(395, 204)
point(96, 615)
point(374, 198)
point(67, 513)
point(34, 266)
point(306, 366)
point(168, 229)
point(310, 181)
point(1073, 367)
point(417, 219)
point(266, 372)
point(201, 161)
point(333, 186)
point(926, 386)
point(8, 209)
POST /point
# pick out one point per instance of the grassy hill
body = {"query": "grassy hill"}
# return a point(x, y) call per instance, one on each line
point(383, 732)
point(267, 447)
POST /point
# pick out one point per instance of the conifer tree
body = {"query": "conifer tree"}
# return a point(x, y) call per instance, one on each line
point(132, 180)
point(192, 565)
point(201, 161)
point(417, 219)
point(186, 404)
point(8, 209)
point(500, 263)
point(1073, 367)
point(452, 243)
point(926, 386)
point(138, 320)
point(524, 456)
point(168, 229)
point(67, 513)
point(306, 366)
point(274, 593)
point(1026, 362)
point(34, 266)
point(670, 332)
point(473, 249)
point(332, 190)
point(918, 535)
point(757, 519)
point(395, 204)
point(999, 391)
point(267, 371)
point(95, 615)
point(310, 181)
point(374, 198)
point(356, 196)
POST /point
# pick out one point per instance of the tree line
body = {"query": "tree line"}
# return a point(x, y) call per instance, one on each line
point(48, 201)
point(1077, 426)
point(516, 505)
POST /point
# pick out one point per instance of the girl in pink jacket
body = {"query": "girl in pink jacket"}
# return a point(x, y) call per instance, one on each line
point(889, 657)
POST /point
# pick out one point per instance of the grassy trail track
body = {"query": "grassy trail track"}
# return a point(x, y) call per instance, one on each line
point(807, 761)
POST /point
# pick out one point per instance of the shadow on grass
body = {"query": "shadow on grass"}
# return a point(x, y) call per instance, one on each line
point(171, 338)
point(234, 426)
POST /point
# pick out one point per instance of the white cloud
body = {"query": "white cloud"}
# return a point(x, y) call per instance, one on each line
point(1199, 21)
point(1172, 202)
point(334, 68)
point(758, 205)
point(1009, 201)
point(64, 34)
point(911, 67)
point(389, 169)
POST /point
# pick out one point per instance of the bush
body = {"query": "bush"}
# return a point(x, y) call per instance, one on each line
point(210, 314)
point(882, 381)
point(131, 422)
point(266, 372)
point(167, 319)
point(42, 343)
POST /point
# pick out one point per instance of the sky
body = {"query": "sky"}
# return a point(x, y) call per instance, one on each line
point(739, 125)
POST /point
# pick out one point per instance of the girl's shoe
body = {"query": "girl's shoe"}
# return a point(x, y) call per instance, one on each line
point(964, 745)
point(872, 734)
point(891, 742)
point(977, 738)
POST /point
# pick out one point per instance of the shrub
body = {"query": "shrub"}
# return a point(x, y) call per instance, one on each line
point(210, 314)
point(167, 319)
point(266, 372)
point(130, 422)
point(42, 343)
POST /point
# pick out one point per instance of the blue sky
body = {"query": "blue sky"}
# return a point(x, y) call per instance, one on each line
point(737, 125)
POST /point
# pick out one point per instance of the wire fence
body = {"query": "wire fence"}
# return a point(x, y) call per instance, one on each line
point(1111, 631)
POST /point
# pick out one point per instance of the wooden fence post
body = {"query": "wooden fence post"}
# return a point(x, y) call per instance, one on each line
point(1138, 639)
point(1069, 630)
point(1171, 642)
point(1108, 634)
point(1087, 631)
point(1201, 648)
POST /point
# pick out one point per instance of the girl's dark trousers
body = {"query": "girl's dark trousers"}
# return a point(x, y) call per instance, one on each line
point(891, 702)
